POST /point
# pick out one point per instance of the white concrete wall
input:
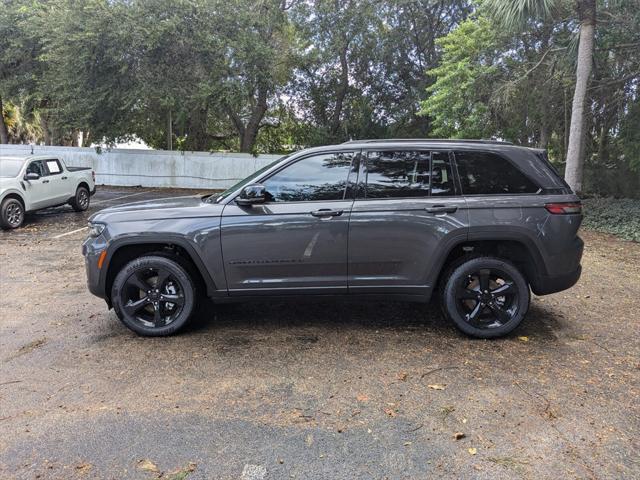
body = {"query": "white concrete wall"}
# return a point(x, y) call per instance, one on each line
point(154, 168)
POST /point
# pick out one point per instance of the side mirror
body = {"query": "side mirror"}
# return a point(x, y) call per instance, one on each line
point(31, 176)
point(252, 195)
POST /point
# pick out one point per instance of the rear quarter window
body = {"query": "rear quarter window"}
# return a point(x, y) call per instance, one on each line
point(485, 173)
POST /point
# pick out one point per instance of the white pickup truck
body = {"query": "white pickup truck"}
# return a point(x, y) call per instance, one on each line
point(32, 183)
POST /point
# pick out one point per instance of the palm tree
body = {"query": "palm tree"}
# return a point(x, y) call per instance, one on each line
point(514, 14)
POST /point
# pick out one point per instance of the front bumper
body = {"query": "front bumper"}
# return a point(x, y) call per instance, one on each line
point(92, 248)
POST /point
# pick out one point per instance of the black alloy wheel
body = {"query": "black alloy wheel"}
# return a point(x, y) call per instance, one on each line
point(486, 297)
point(153, 295)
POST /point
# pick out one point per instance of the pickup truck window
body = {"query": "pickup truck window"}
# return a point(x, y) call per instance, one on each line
point(319, 177)
point(37, 167)
point(54, 167)
point(398, 174)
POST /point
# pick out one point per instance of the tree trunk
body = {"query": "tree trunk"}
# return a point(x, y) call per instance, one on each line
point(4, 132)
point(342, 91)
point(575, 158)
point(249, 132)
point(46, 134)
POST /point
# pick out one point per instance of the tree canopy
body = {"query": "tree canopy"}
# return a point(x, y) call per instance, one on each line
point(277, 75)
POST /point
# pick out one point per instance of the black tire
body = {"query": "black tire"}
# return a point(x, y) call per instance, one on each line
point(80, 202)
point(11, 213)
point(488, 312)
point(152, 313)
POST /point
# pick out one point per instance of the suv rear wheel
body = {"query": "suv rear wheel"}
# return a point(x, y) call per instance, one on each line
point(153, 296)
point(485, 297)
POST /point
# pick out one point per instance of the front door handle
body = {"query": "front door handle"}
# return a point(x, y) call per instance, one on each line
point(64, 178)
point(326, 212)
point(442, 209)
point(45, 181)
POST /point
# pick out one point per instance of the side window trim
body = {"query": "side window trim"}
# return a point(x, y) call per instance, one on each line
point(355, 153)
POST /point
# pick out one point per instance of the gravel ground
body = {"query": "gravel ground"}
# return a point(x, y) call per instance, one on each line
point(311, 390)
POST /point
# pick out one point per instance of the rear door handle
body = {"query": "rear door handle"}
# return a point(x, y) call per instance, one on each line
point(45, 181)
point(326, 212)
point(442, 209)
point(64, 178)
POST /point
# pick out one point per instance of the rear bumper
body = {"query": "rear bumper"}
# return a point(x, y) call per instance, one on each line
point(551, 284)
point(567, 273)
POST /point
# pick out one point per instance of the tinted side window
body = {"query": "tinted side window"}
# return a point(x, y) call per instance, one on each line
point(37, 167)
point(397, 174)
point(320, 177)
point(483, 173)
point(442, 182)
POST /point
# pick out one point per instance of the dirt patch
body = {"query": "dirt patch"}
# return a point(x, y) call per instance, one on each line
point(326, 390)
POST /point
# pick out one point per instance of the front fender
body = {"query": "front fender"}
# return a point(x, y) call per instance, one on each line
point(4, 193)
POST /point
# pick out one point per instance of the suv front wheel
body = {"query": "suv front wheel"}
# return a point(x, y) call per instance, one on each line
point(153, 296)
point(485, 297)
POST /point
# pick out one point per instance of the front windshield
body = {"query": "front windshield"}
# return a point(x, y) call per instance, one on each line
point(10, 167)
point(220, 197)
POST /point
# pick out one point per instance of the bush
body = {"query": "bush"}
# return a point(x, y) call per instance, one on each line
point(618, 216)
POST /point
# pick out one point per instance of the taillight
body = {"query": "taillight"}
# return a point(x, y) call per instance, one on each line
point(564, 208)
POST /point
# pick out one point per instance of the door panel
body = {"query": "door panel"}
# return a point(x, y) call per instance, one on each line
point(276, 247)
point(59, 183)
point(38, 191)
point(297, 241)
point(394, 242)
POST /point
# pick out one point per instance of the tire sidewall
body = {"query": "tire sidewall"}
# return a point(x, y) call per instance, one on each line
point(3, 213)
point(76, 204)
point(179, 273)
point(449, 300)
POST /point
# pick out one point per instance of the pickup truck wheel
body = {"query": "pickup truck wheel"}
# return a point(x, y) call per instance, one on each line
point(80, 201)
point(486, 297)
point(153, 296)
point(11, 213)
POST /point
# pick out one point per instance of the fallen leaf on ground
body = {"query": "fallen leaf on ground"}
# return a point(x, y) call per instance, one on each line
point(473, 451)
point(148, 466)
point(436, 386)
point(390, 412)
point(362, 398)
point(83, 467)
point(459, 435)
point(402, 376)
point(523, 339)
point(182, 473)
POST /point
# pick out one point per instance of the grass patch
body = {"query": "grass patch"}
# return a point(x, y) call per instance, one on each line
point(618, 216)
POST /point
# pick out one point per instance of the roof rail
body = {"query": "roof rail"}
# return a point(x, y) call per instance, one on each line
point(431, 140)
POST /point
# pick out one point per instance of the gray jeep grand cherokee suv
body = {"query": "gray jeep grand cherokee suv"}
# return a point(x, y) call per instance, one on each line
point(481, 223)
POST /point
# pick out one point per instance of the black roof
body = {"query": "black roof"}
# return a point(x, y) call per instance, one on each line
point(429, 140)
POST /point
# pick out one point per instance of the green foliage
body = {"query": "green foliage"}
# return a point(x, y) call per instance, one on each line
point(466, 67)
point(619, 217)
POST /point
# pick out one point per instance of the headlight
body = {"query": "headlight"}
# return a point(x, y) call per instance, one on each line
point(95, 229)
